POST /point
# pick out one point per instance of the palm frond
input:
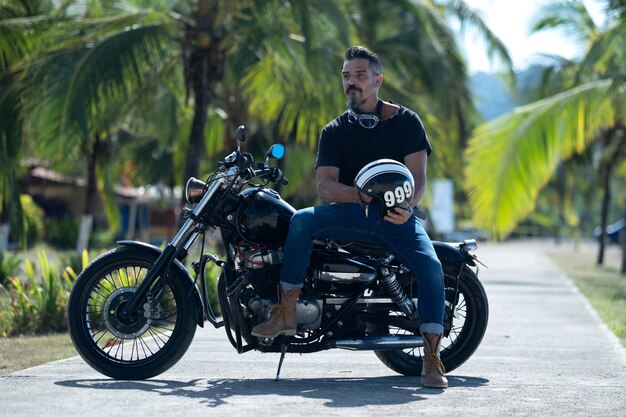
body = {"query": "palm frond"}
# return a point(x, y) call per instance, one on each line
point(77, 85)
point(607, 53)
point(512, 158)
point(570, 15)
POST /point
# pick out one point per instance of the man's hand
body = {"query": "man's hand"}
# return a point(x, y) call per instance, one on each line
point(364, 198)
point(399, 216)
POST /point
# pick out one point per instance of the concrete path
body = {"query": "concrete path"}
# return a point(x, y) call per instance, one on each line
point(545, 353)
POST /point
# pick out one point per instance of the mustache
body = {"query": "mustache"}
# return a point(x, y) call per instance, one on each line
point(353, 88)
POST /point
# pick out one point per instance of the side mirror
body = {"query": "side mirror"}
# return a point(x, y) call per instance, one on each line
point(276, 151)
point(240, 134)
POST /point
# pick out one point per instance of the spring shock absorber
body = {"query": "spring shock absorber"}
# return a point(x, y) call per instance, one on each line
point(397, 294)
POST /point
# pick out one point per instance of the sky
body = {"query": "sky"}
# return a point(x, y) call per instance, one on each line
point(510, 21)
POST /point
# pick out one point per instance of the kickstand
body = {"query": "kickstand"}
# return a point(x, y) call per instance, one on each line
point(283, 350)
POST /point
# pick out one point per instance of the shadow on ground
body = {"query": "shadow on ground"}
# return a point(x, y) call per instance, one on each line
point(336, 392)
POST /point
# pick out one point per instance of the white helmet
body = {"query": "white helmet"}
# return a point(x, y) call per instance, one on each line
point(388, 181)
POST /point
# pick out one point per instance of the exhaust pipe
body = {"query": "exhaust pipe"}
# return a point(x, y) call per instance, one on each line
point(379, 343)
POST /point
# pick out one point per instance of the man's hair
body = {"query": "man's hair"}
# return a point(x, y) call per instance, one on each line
point(363, 52)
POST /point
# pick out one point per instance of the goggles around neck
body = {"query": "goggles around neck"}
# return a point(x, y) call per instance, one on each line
point(366, 120)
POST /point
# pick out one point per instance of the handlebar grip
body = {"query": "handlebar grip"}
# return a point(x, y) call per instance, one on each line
point(278, 176)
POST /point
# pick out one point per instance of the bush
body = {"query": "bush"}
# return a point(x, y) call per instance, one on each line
point(62, 233)
point(9, 266)
point(212, 273)
point(39, 302)
point(31, 220)
point(5, 312)
point(101, 238)
point(76, 262)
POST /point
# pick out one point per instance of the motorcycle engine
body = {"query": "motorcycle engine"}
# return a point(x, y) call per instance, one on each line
point(261, 265)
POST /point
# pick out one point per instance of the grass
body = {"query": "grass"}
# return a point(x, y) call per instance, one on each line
point(25, 351)
point(604, 286)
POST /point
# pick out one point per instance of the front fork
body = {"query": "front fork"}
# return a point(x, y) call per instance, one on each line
point(178, 246)
point(139, 296)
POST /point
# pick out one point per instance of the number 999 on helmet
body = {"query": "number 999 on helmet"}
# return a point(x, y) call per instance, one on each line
point(388, 181)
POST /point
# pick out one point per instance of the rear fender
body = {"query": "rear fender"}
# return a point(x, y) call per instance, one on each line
point(448, 251)
point(187, 280)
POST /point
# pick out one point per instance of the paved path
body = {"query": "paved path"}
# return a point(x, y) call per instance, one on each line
point(545, 353)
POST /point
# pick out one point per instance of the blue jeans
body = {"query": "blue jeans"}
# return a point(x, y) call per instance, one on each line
point(408, 242)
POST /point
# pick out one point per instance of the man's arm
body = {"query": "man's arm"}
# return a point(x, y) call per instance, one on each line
point(416, 163)
point(331, 190)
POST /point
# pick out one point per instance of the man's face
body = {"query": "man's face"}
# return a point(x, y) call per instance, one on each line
point(359, 81)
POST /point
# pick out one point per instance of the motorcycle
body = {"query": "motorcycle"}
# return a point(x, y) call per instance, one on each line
point(133, 311)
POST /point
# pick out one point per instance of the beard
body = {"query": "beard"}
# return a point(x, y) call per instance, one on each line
point(353, 101)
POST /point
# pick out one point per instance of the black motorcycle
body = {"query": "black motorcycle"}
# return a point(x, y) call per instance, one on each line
point(133, 311)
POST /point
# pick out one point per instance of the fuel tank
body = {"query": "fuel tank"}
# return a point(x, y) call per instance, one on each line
point(263, 217)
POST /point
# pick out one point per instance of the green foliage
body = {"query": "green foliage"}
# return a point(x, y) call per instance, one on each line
point(76, 262)
point(9, 266)
point(32, 225)
point(102, 238)
point(511, 158)
point(61, 233)
point(39, 300)
point(212, 273)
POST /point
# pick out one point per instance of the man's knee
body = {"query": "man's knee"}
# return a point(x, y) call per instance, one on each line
point(430, 268)
point(301, 221)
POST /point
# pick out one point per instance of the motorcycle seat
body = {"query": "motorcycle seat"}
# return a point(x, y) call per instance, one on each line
point(353, 247)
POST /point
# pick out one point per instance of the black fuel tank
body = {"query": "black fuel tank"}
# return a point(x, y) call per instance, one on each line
point(263, 217)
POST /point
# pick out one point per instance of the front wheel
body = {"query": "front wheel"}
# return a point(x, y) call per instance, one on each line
point(136, 347)
point(469, 316)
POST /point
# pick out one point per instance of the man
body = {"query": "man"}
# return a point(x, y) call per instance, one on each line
point(369, 130)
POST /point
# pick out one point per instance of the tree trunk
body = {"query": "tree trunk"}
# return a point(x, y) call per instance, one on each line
point(195, 147)
point(4, 237)
point(91, 192)
point(204, 67)
point(623, 240)
point(4, 218)
point(82, 243)
point(616, 133)
point(606, 200)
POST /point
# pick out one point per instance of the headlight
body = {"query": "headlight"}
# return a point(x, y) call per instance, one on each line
point(194, 190)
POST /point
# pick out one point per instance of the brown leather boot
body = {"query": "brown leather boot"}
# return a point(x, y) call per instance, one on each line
point(432, 368)
point(282, 317)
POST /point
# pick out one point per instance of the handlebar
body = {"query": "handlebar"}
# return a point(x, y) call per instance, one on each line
point(244, 163)
point(273, 174)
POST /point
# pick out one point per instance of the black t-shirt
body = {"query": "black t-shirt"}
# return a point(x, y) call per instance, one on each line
point(349, 146)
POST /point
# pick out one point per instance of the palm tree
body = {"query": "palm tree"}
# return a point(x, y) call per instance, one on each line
point(423, 65)
point(19, 20)
point(95, 64)
point(89, 70)
point(513, 157)
point(80, 83)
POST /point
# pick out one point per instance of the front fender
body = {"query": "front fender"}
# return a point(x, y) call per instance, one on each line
point(187, 281)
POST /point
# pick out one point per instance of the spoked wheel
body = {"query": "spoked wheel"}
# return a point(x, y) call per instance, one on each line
point(138, 346)
point(469, 323)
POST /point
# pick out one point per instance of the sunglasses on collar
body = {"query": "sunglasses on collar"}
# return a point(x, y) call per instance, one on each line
point(366, 120)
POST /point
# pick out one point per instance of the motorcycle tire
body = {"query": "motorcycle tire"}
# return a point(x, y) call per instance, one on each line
point(135, 348)
point(471, 314)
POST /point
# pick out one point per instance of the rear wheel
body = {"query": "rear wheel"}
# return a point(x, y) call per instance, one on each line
point(469, 323)
point(136, 347)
